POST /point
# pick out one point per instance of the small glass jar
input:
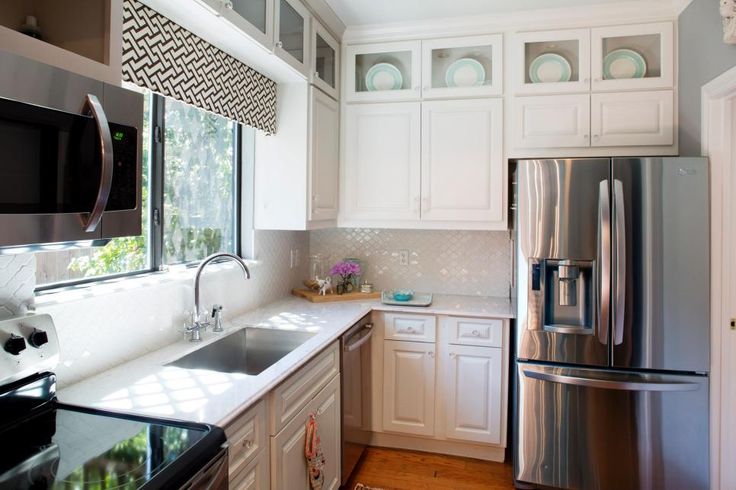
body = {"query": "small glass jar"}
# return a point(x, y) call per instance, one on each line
point(318, 266)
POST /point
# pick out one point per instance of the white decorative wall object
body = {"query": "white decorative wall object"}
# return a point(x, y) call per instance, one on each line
point(17, 282)
point(728, 12)
point(448, 262)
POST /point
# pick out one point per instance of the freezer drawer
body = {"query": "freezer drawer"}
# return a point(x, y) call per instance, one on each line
point(603, 429)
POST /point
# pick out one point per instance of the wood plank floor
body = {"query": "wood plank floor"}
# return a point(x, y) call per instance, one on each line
point(393, 469)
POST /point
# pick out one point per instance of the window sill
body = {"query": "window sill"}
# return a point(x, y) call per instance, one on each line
point(175, 274)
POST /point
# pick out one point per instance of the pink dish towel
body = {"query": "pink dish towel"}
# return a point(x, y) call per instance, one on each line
point(313, 453)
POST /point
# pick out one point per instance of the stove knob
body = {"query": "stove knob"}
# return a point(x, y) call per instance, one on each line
point(38, 338)
point(15, 344)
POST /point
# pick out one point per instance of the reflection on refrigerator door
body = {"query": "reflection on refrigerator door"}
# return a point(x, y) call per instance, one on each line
point(600, 429)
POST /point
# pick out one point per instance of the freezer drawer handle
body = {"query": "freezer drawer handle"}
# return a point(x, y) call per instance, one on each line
point(608, 384)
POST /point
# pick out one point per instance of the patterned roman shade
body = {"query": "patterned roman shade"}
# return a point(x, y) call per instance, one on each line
point(162, 56)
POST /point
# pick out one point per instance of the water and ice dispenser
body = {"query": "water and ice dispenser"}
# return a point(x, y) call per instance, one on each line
point(563, 293)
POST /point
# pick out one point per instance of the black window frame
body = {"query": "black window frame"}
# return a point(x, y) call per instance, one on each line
point(156, 210)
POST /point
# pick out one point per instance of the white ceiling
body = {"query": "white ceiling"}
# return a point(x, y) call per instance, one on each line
point(362, 12)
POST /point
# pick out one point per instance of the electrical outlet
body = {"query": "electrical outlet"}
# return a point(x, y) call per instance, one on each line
point(292, 258)
point(403, 257)
point(297, 258)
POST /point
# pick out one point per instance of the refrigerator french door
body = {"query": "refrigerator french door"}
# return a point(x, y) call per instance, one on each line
point(613, 323)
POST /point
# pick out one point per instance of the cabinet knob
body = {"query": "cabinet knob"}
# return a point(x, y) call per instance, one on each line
point(228, 4)
point(247, 444)
point(410, 329)
point(452, 354)
point(316, 74)
point(595, 136)
point(279, 44)
point(476, 333)
point(430, 354)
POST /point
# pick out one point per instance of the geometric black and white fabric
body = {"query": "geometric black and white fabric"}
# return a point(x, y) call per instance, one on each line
point(162, 56)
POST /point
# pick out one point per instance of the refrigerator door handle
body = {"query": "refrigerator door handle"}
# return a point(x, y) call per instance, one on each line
point(604, 261)
point(607, 384)
point(619, 216)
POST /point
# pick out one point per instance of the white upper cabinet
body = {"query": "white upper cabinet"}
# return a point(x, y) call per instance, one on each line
point(324, 157)
point(633, 118)
point(383, 72)
point(552, 62)
point(381, 162)
point(633, 57)
point(291, 33)
point(462, 160)
point(325, 60)
point(560, 121)
point(254, 17)
point(462, 67)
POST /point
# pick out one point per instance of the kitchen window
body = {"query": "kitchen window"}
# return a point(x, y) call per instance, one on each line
point(191, 199)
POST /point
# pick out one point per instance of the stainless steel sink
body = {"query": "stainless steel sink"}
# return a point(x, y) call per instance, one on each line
point(247, 351)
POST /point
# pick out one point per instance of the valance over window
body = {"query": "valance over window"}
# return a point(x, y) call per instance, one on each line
point(162, 56)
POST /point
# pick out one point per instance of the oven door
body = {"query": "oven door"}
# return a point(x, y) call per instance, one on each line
point(71, 156)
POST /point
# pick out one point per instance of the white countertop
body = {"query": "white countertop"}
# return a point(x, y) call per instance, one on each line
point(145, 386)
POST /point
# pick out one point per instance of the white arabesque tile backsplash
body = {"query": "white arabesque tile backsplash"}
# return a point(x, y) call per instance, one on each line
point(448, 262)
point(106, 325)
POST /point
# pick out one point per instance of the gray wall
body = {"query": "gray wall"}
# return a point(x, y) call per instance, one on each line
point(703, 56)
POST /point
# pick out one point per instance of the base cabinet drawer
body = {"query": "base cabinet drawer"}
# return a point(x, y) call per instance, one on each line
point(288, 463)
point(246, 435)
point(487, 332)
point(254, 476)
point(415, 328)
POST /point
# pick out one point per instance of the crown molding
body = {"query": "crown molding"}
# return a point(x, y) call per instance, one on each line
point(539, 19)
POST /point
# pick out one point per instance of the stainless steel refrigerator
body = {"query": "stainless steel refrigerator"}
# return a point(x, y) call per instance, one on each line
point(612, 337)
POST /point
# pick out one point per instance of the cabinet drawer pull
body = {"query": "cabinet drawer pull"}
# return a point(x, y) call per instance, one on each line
point(410, 329)
point(247, 444)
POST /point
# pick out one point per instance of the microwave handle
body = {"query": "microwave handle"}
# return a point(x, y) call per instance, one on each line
point(92, 106)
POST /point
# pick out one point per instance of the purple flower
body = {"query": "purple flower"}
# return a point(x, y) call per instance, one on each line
point(345, 269)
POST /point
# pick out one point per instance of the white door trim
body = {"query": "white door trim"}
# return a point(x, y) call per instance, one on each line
point(717, 142)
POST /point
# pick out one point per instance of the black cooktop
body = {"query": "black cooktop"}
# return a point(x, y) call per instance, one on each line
point(49, 445)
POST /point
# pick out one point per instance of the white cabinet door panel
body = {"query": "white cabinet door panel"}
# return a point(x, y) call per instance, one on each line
point(462, 160)
point(473, 393)
point(408, 387)
point(324, 157)
point(382, 161)
point(633, 119)
point(552, 121)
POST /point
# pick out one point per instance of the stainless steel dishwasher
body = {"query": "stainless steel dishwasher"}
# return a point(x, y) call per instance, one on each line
point(355, 388)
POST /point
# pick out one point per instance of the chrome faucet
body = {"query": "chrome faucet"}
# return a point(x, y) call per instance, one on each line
point(197, 323)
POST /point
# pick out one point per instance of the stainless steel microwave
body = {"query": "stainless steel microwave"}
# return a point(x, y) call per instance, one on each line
point(70, 156)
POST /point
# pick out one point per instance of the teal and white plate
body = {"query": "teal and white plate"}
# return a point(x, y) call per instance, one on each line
point(622, 64)
point(383, 76)
point(550, 68)
point(465, 72)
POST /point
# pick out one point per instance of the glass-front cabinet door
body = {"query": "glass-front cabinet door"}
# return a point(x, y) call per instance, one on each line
point(292, 34)
point(254, 17)
point(633, 57)
point(325, 60)
point(462, 67)
point(383, 72)
point(552, 62)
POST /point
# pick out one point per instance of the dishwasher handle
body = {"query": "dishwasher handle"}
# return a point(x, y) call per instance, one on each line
point(363, 336)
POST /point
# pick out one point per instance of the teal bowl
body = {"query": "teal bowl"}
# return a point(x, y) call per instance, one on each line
point(403, 295)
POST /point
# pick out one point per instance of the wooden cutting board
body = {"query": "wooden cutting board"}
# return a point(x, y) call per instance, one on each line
point(314, 296)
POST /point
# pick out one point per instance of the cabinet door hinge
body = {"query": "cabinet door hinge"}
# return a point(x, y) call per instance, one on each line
point(156, 217)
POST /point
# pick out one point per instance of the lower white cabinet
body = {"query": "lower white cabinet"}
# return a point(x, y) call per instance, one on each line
point(409, 387)
point(382, 162)
point(473, 388)
point(255, 476)
point(552, 121)
point(462, 161)
point(633, 118)
point(288, 463)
